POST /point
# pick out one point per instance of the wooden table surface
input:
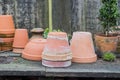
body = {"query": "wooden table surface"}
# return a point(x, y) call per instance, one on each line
point(13, 65)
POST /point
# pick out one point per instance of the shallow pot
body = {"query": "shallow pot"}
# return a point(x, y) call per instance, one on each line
point(33, 50)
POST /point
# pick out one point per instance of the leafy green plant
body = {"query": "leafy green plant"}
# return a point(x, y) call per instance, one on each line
point(54, 30)
point(108, 15)
point(69, 37)
point(46, 31)
point(109, 56)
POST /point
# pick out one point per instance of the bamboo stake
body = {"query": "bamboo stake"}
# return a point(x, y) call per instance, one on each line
point(50, 14)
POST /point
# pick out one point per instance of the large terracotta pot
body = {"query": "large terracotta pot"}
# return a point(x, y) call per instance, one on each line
point(33, 50)
point(37, 33)
point(56, 50)
point(7, 29)
point(106, 44)
point(20, 40)
point(82, 48)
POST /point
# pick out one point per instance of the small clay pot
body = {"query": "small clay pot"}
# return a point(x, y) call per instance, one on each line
point(37, 33)
point(20, 40)
point(82, 48)
point(33, 50)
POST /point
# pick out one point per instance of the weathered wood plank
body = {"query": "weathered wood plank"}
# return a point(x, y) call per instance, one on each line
point(2, 7)
point(24, 12)
point(86, 15)
point(74, 18)
point(62, 15)
point(42, 13)
point(92, 13)
point(68, 15)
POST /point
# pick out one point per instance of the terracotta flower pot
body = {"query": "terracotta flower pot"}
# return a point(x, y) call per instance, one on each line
point(37, 33)
point(20, 40)
point(7, 29)
point(57, 49)
point(33, 50)
point(106, 44)
point(82, 48)
point(6, 24)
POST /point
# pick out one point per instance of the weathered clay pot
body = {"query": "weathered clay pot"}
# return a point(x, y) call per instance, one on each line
point(82, 48)
point(37, 33)
point(106, 44)
point(7, 29)
point(57, 48)
point(6, 43)
point(20, 40)
point(33, 50)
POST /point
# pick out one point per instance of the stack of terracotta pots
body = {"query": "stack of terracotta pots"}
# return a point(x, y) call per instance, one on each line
point(7, 30)
point(33, 50)
point(57, 52)
point(82, 48)
point(20, 40)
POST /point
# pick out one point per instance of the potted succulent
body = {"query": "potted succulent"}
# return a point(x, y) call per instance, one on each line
point(107, 41)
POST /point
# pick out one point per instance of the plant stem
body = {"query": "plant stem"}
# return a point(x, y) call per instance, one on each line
point(50, 14)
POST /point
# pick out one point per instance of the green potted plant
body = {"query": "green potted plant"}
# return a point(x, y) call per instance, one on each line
point(108, 15)
point(109, 56)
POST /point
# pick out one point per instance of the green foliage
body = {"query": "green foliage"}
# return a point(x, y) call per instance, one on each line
point(56, 30)
point(108, 15)
point(69, 37)
point(109, 56)
point(46, 31)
